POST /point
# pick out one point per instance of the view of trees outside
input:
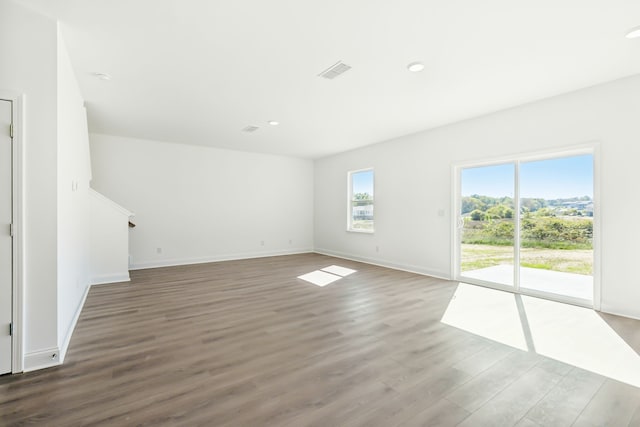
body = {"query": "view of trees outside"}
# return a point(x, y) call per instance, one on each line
point(555, 234)
point(362, 200)
point(556, 225)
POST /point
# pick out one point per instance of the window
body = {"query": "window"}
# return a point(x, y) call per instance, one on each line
point(360, 215)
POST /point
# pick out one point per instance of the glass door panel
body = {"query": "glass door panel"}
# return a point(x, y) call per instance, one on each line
point(486, 223)
point(556, 226)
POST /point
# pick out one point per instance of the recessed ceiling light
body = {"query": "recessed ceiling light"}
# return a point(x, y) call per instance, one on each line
point(634, 33)
point(103, 76)
point(415, 67)
point(273, 122)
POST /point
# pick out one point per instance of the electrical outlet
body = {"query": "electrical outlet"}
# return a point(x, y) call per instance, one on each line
point(158, 250)
point(261, 242)
point(377, 249)
point(290, 241)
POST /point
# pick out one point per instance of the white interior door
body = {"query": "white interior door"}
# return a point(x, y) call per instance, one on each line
point(6, 244)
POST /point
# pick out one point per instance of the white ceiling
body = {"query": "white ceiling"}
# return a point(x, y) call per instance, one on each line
point(198, 71)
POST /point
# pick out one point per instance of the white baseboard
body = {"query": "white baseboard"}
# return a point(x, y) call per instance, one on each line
point(42, 359)
point(74, 321)
point(620, 313)
point(383, 263)
point(110, 278)
point(226, 257)
point(54, 356)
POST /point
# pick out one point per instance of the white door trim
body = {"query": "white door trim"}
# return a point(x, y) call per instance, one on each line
point(17, 110)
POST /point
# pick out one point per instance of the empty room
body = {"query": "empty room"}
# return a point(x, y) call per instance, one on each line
point(339, 213)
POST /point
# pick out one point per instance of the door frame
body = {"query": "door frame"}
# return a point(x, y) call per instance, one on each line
point(592, 148)
point(17, 340)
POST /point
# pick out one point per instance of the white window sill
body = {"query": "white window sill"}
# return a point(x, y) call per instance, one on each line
point(350, 230)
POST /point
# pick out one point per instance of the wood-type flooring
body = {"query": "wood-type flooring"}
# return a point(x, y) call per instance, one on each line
point(246, 343)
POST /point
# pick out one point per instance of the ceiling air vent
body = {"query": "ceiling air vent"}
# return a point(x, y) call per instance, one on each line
point(335, 70)
point(250, 129)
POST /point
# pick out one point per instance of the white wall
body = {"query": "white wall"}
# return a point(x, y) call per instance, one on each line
point(413, 182)
point(55, 151)
point(203, 204)
point(74, 174)
point(28, 52)
point(109, 254)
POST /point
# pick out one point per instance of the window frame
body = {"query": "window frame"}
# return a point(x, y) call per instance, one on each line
point(350, 200)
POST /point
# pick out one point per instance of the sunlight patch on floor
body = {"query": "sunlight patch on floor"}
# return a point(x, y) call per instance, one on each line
point(570, 334)
point(327, 275)
point(338, 271)
point(486, 312)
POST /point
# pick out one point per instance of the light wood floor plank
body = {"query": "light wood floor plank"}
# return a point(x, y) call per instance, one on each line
point(246, 343)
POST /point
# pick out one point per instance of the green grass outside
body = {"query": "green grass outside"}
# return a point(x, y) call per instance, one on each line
point(577, 261)
point(527, 243)
point(362, 224)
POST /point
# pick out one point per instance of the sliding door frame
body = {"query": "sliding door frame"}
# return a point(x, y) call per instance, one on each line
point(516, 159)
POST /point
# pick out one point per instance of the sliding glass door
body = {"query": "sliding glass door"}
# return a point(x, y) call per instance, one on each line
point(527, 226)
point(556, 226)
point(486, 223)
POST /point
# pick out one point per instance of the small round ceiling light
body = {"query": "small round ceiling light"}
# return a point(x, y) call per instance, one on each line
point(273, 122)
point(634, 33)
point(415, 67)
point(103, 76)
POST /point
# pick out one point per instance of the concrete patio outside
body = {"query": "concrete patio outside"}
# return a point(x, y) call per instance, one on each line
point(554, 282)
